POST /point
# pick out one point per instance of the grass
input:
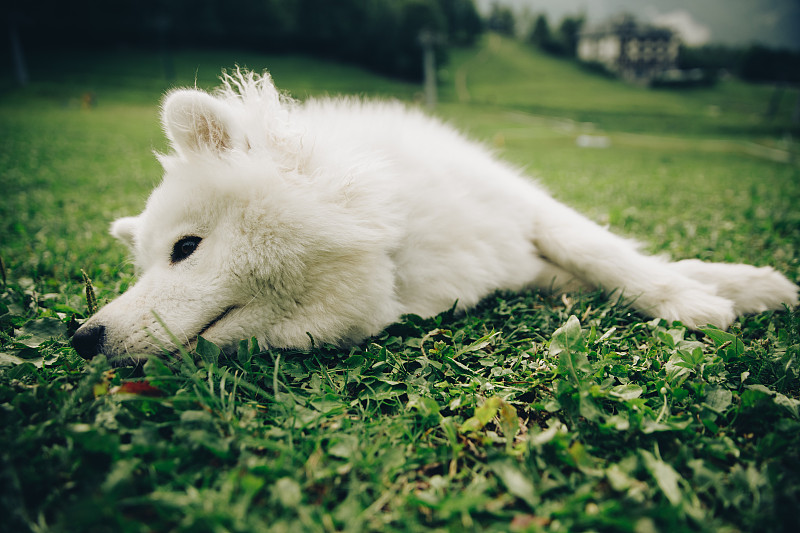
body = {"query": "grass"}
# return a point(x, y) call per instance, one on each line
point(529, 413)
point(543, 85)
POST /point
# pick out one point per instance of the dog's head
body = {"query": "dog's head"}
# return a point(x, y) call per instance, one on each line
point(246, 236)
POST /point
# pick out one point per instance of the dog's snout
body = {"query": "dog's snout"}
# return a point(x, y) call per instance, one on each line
point(88, 339)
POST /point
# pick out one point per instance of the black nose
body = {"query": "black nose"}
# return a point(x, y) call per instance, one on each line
point(88, 339)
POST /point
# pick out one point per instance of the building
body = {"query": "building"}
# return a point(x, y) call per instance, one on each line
point(636, 52)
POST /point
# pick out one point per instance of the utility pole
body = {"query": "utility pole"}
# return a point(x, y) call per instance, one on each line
point(428, 40)
point(162, 24)
point(21, 72)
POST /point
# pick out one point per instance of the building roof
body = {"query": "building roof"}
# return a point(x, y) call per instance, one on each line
point(627, 27)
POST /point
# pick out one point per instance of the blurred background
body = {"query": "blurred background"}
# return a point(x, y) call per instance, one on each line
point(756, 40)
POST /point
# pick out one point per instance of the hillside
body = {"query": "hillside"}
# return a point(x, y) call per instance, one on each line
point(511, 75)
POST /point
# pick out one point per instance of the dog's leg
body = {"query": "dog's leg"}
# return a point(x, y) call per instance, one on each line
point(752, 289)
point(555, 279)
point(602, 259)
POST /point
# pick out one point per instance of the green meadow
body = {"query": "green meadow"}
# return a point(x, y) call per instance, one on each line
point(528, 413)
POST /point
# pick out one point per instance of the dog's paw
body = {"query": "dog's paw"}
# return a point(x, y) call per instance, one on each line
point(696, 308)
point(763, 289)
point(752, 289)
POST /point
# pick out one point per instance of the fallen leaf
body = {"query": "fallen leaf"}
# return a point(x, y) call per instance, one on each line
point(142, 388)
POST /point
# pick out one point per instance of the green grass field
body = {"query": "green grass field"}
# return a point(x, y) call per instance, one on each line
point(529, 413)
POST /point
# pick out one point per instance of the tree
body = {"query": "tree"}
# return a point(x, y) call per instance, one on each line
point(563, 42)
point(379, 34)
point(501, 20)
point(765, 64)
point(569, 32)
point(464, 24)
point(540, 34)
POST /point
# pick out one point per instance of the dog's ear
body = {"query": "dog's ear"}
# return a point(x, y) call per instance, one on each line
point(195, 121)
point(124, 230)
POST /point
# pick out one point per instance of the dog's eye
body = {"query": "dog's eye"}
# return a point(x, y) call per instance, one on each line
point(184, 248)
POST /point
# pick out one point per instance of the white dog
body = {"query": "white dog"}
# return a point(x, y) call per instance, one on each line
point(329, 220)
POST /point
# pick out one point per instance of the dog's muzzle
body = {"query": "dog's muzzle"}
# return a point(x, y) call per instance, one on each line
point(88, 340)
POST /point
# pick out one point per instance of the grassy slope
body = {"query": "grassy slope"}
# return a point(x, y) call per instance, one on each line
point(510, 418)
point(545, 85)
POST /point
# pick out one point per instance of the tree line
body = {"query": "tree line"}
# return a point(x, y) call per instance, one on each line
point(755, 63)
point(560, 41)
point(382, 35)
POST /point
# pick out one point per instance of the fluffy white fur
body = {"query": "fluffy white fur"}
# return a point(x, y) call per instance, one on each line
point(332, 218)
